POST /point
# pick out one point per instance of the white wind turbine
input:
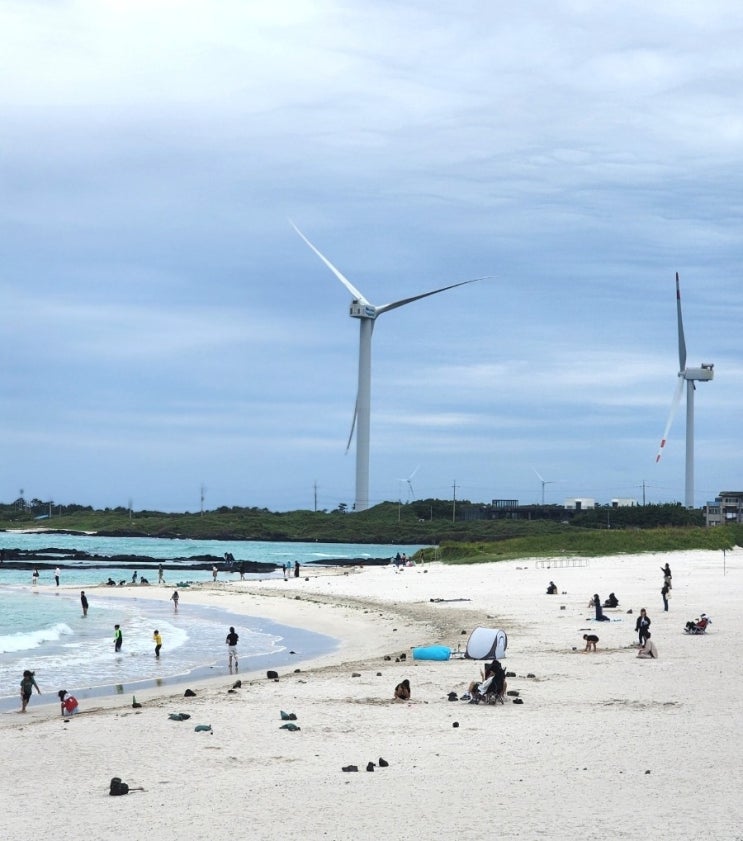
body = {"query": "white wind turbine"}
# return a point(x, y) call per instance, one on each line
point(367, 313)
point(543, 481)
point(409, 483)
point(690, 376)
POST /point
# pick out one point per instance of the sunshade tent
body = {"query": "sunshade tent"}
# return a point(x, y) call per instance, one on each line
point(487, 644)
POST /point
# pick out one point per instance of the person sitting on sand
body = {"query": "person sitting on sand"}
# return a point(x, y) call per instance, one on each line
point(402, 691)
point(67, 703)
point(552, 589)
point(612, 601)
point(591, 641)
point(599, 610)
point(648, 650)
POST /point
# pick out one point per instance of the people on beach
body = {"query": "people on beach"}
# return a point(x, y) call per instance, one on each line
point(642, 625)
point(67, 703)
point(552, 589)
point(174, 598)
point(28, 684)
point(84, 602)
point(648, 650)
point(110, 582)
point(612, 601)
point(296, 569)
point(402, 691)
point(158, 642)
point(591, 642)
point(599, 610)
point(56, 575)
point(134, 577)
point(118, 638)
point(160, 575)
point(231, 641)
point(35, 576)
point(285, 570)
point(214, 572)
point(665, 595)
point(242, 570)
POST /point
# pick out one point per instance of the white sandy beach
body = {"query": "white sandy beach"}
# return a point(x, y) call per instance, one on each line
point(604, 745)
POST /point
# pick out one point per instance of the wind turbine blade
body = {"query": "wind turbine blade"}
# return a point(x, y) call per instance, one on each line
point(343, 279)
point(671, 415)
point(539, 475)
point(413, 473)
point(395, 304)
point(353, 424)
point(682, 341)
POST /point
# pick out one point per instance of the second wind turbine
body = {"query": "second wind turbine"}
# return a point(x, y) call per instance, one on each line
point(367, 313)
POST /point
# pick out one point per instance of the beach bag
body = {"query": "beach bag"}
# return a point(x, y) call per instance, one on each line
point(117, 787)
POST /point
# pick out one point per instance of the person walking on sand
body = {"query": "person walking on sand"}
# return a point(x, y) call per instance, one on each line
point(642, 625)
point(28, 683)
point(56, 576)
point(158, 642)
point(231, 641)
point(84, 602)
point(118, 639)
point(160, 575)
point(174, 598)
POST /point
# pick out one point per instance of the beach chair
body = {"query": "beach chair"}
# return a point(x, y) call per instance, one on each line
point(698, 627)
point(489, 692)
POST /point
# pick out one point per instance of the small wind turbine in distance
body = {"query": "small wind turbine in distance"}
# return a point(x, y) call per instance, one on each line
point(409, 483)
point(543, 481)
point(688, 375)
point(367, 313)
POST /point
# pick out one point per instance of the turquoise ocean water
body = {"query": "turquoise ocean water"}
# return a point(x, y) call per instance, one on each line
point(42, 627)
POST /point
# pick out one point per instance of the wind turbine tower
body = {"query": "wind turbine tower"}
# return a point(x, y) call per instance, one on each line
point(689, 376)
point(544, 482)
point(367, 313)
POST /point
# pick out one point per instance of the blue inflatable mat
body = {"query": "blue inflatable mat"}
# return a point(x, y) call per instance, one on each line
point(432, 652)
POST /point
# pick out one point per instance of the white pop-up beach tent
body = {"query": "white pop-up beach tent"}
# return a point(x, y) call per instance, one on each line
point(487, 644)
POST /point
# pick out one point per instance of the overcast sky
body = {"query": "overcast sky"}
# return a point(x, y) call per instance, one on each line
point(164, 328)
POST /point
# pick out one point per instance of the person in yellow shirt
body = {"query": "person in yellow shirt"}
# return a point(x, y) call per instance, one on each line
point(158, 642)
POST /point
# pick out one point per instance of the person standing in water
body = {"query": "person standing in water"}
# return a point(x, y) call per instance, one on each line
point(35, 576)
point(84, 602)
point(174, 598)
point(28, 683)
point(56, 576)
point(231, 641)
point(158, 642)
point(118, 639)
point(160, 575)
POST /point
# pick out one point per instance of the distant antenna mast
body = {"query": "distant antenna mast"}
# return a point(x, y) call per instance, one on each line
point(315, 490)
point(454, 502)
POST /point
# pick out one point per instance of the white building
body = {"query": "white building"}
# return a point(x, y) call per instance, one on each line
point(579, 503)
point(623, 502)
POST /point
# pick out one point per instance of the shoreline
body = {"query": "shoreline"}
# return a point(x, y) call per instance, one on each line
point(654, 744)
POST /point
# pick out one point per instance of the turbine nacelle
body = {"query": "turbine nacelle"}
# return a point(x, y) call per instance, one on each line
point(362, 309)
point(703, 374)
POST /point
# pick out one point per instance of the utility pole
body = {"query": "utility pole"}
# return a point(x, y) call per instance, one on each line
point(315, 489)
point(203, 494)
point(454, 502)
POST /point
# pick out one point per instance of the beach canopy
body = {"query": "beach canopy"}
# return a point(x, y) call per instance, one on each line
point(486, 644)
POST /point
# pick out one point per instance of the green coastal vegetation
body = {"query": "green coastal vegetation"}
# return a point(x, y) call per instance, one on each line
point(456, 532)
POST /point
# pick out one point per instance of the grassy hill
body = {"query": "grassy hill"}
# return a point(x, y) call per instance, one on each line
point(656, 528)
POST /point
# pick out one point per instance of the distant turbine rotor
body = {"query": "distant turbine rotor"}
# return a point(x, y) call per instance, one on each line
point(705, 373)
point(367, 313)
point(409, 483)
